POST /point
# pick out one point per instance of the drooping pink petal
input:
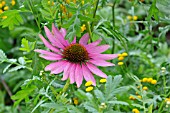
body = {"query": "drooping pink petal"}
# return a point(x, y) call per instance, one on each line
point(74, 40)
point(46, 52)
point(95, 70)
point(52, 58)
point(48, 45)
point(63, 32)
point(101, 63)
point(66, 71)
point(87, 74)
point(58, 35)
point(78, 75)
point(103, 56)
point(98, 49)
point(72, 73)
point(53, 65)
point(84, 39)
point(60, 68)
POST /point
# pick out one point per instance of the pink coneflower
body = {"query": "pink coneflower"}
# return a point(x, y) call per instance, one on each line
point(75, 60)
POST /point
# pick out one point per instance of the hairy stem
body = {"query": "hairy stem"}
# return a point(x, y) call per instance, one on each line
point(66, 86)
point(94, 14)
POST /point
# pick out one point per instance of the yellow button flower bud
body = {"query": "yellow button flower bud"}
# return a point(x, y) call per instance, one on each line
point(145, 88)
point(129, 17)
point(135, 18)
point(135, 110)
point(131, 98)
point(3, 3)
point(139, 96)
point(149, 79)
point(124, 54)
point(89, 83)
point(83, 27)
point(82, 2)
point(89, 88)
point(13, 2)
point(153, 82)
point(6, 8)
point(0, 5)
point(1, 11)
point(75, 101)
point(67, 1)
point(120, 55)
point(4, 17)
point(103, 80)
point(120, 63)
point(120, 58)
point(144, 79)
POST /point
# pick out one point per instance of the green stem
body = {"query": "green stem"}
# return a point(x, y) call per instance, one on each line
point(164, 82)
point(89, 30)
point(66, 86)
point(113, 16)
point(94, 14)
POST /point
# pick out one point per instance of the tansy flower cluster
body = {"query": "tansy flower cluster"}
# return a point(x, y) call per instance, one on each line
point(75, 101)
point(89, 86)
point(83, 28)
point(132, 18)
point(149, 80)
point(121, 58)
point(5, 7)
point(51, 3)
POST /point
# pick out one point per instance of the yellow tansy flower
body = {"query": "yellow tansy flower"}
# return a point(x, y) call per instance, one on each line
point(103, 80)
point(145, 88)
point(3, 3)
point(1, 11)
point(83, 27)
point(135, 110)
point(89, 83)
point(139, 96)
point(13, 2)
point(149, 79)
point(153, 81)
point(6, 8)
point(129, 17)
point(144, 79)
point(67, 1)
point(124, 54)
point(120, 63)
point(0, 5)
point(4, 17)
point(89, 88)
point(82, 2)
point(135, 18)
point(120, 58)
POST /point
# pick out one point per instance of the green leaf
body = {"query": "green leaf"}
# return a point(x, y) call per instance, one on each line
point(21, 61)
point(153, 11)
point(6, 68)
point(80, 94)
point(118, 102)
point(99, 95)
point(138, 105)
point(25, 45)
point(16, 68)
point(23, 94)
point(3, 57)
point(150, 108)
point(90, 107)
point(13, 18)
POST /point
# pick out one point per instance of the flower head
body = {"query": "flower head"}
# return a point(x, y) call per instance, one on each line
point(75, 60)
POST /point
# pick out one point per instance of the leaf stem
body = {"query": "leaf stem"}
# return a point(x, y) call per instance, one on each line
point(94, 14)
point(89, 30)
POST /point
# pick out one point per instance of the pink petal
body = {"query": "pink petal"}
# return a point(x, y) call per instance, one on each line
point(78, 75)
point(53, 66)
point(88, 75)
point(95, 70)
point(48, 53)
point(98, 49)
point(72, 73)
point(74, 41)
point(60, 68)
point(48, 45)
point(93, 44)
point(84, 39)
point(63, 32)
point(101, 63)
point(103, 56)
point(52, 58)
point(58, 35)
point(66, 71)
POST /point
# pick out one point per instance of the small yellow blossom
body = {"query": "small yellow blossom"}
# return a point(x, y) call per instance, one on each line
point(67, 1)
point(120, 55)
point(139, 96)
point(6, 8)
point(3, 3)
point(136, 93)
point(70, 14)
point(4, 17)
point(82, 2)
point(83, 27)
point(50, 3)
point(103, 80)
point(144, 79)
point(0, 5)
point(74, 1)
point(75, 101)
point(167, 99)
point(124, 54)
point(145, 88)
point(132, 98)
point(89, 88)
point(135, 110)
point(153, 81)
point(135, 18)
point(13, 2)
point(120, 63)
point(139, 86)
point(142, 0)
point(1, 11)
point(129, 17)
point(88, 83)
point(120, 58)
point(149, 79)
